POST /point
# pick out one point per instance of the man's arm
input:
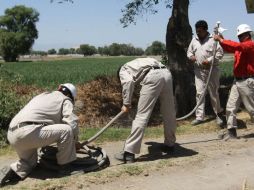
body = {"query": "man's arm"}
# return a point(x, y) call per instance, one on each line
point(190, 53)
point(70, 118)
point(127, 86)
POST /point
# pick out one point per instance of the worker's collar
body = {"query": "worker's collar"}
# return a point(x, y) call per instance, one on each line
point(205, 39)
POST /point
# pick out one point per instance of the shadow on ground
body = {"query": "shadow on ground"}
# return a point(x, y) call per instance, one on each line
point(155, 152)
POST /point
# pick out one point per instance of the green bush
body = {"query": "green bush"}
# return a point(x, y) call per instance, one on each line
point(10, 104)
point(10, 101)
point(3, 139)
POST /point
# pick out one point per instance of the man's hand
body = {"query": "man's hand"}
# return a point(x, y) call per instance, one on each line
point(193, 59)
point(125, 108)
point(206, 62)
point(218, 38)
point(77, 146)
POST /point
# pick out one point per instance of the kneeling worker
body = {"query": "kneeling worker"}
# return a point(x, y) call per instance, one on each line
point(48, 118)
point(156, 82)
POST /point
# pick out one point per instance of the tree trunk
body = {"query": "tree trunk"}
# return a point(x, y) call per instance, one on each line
point(178, 37)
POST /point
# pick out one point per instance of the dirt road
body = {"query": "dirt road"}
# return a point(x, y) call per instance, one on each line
point(201, 161)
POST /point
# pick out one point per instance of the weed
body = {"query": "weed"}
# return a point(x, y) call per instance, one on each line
point(133, 169)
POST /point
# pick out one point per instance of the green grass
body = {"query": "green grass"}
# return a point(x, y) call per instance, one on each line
point(120, 134)
point(226, 69)
point(49, 74)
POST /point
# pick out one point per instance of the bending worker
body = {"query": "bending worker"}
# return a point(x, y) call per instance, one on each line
point(243, 85)
point(156, 82)
point(200, 53)
point(48, 118)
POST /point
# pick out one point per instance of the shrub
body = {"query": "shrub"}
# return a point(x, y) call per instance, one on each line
point(10, 101)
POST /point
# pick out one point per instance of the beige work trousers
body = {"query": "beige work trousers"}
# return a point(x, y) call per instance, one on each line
point(156, 84)
point(26, 140)
point(242, 90)
point(201, 76)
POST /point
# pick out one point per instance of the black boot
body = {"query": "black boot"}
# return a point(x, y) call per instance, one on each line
point(221, 120)
point(126, 157)
point(8, 175)
point(231, 134)
point(167, 149)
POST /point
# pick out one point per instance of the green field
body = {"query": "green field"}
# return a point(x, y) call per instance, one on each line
point(48, 74)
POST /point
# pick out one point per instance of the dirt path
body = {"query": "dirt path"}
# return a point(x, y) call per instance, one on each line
point(201, 161)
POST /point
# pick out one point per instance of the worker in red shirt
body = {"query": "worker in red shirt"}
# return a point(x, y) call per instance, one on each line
point(243, 85)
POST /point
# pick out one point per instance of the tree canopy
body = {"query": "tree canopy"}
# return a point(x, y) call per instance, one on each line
point(17, 31)
point(138, 7)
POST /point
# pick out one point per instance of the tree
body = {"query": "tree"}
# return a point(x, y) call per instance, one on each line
point(51, 51)
point(63, 51)
point(42, 53)
point(72, 51)
point(115, 49)
point(86, 49)
point(17, 31)
point(157, 48)
point(178, 37)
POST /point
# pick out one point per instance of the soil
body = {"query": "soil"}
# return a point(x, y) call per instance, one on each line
point(200, 161)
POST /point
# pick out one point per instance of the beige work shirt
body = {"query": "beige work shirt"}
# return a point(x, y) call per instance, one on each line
point(133, 72)
point(204, 51)
point(48, 108)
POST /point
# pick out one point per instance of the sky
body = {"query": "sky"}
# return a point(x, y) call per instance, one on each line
point(97, 22)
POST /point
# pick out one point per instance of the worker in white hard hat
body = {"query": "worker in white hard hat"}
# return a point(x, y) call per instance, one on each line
point(243, 86)
point(200, 53)
point(48, 118)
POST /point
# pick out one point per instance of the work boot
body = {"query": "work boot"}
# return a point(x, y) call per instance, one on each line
point(167, 149)
point(126, 157)
point(231, 134)
point(196, 122)
point(8, 175)
point(219, 121)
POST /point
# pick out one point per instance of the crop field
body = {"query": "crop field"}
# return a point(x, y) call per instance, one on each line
point(48, 74)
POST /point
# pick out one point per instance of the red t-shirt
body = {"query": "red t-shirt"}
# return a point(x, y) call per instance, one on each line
point(244, 56)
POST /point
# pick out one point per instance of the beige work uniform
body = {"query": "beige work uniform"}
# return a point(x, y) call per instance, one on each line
point(48, 118)
point(241, 91)
point(204, 51)
point(156, 83)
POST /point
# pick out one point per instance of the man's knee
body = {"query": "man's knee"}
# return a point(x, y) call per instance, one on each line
point(67, 131)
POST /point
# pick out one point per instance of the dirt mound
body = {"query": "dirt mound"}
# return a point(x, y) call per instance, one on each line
point(101, 99)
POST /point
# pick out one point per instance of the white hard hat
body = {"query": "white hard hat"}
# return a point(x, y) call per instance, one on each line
point(242, 28)
point(71, 88)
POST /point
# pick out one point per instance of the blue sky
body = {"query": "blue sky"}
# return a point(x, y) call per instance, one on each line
point(96, 22)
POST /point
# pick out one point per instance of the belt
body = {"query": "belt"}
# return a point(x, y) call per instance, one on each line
point(157, 67)
point(23, 124)
point(243, 78)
